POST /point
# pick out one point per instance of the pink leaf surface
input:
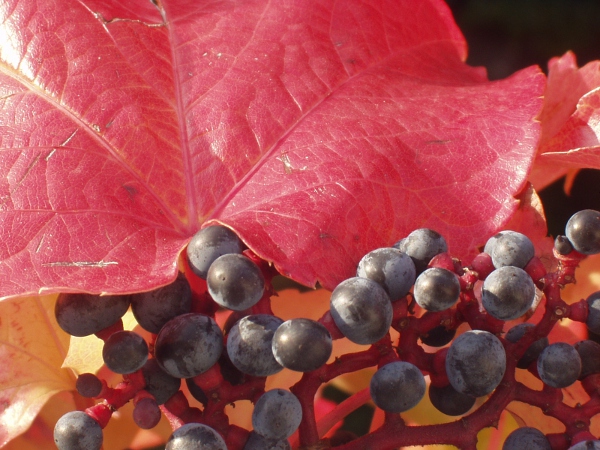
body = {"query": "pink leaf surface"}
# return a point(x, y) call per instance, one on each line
point(317, 130)
point(570, 120)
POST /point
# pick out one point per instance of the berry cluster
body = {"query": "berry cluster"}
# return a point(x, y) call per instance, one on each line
point(414, 287)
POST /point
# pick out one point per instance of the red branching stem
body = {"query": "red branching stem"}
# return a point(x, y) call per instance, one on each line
point(220, 393)
point(115, 398)
point(349, 405)
point(549, 400)
point(174, 409)
point(475, 316)
point(310, 382)
point(535, 269)
point(579, 311)
point(108, 331)
point(327, 321)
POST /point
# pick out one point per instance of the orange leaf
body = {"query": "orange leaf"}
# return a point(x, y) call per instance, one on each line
point(35, 346)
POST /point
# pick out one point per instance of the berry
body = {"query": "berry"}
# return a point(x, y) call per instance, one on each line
point(589, 352)
point(188, 345)
point(208, 244)
point(155, 308)
point(125, 352)
point(438, 336)
point(84, 314)
point(508, 293)
point(235, 282)
point(593, 318)
point(196, 391)
point(88, 385)
point(361, 309)
point(583, 231)
point(449, 401)
point(392, 269)
point(249, 345)
point(559, 365)
point(586, 445)
point(397, 387)
point(302, 345)
point(159, 383)
point(422, 245)
point(77, 431)
point(475, 363)
point(146, 413)
point(526, 438)
point(534, 350)
point(257, 442)
point(491, 243)
point(277, 414)
point(195, 436)
point(436, 289)
point(562, 245)
point(511, 249)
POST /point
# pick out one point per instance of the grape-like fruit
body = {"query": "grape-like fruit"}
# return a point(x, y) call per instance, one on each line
point(583, 231)
point(392, 269)
point(593, 318)
point(586, 445)
point(77, 431)
point(508, 292)
point(436, 289)
point(511, 249)
point(559, 365)
point(361, 309)
point(422, 245)
point(397, 387)
point(188, 345)
point(438, 336)
point(277, 414)
point(85, 314)
point(88, 385)
point(534, 350)
point(249, 345)
point(195, 436)
point(196, 391)
point(562, 245)
point(155, 308)
point(146, 413)
point(449, 401)
point(589, 352)
point(491, 243)
point(159, 383)
point(302, 345)
point(208, 244)
point(125, 352)
point(257, 442)
point(475, 363)
point(235, 282)
point(526, 438)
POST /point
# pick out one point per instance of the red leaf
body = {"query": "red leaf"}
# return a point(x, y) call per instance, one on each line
point(317, 130)
point(570, 120)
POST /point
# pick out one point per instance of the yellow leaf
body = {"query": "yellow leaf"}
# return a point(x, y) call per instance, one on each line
point(32, 348)
point(41, 433)
point(85, 353)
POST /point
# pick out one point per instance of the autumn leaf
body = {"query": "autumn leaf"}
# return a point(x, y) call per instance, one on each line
point(32, 348)
point(317, 131)
point(569, 119)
